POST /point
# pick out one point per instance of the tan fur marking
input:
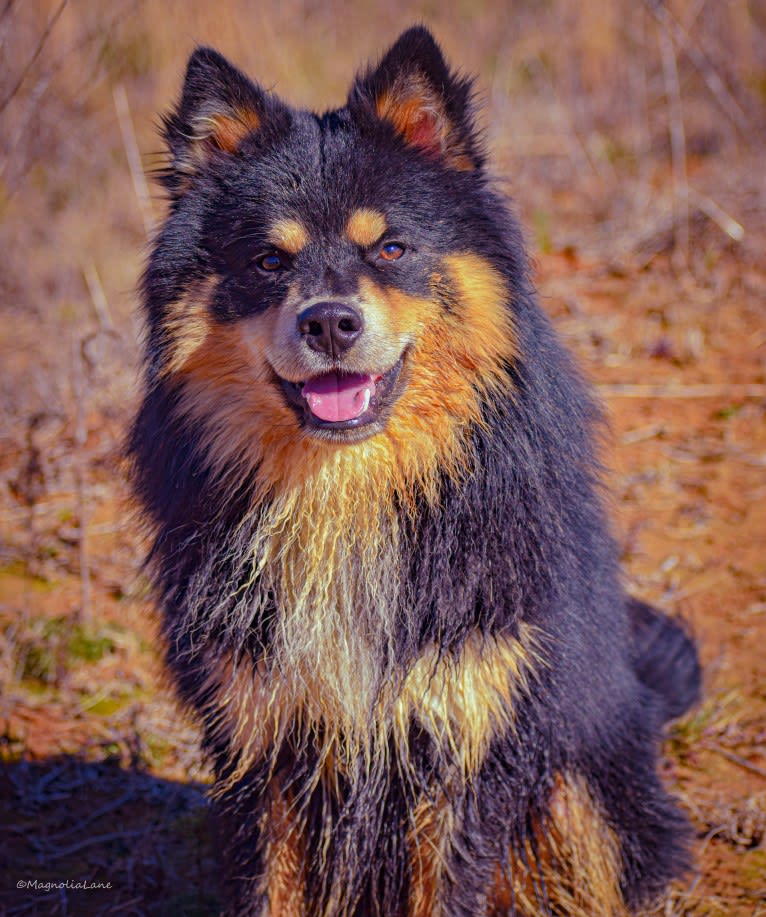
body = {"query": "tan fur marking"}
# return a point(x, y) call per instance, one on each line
point(187, 325)
point(455, 358)
point(365, 227)
point(463, 702)
point(332, 567)
point(482, 295)
point(286, 859)
point(289, 235)
point(252, 714)
point(226, 130)
point(417, 113)
point(216, 130)
point(427, 841)
point(336, 581)
point(578, 860)
point(231, 394)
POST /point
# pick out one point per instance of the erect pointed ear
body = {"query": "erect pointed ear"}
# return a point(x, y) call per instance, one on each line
point(431, 108)
point(219, 107)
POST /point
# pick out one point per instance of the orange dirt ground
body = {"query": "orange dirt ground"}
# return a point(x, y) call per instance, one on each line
point(101, 778)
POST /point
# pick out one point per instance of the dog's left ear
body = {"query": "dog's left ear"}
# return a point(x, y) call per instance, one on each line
point(430, 108)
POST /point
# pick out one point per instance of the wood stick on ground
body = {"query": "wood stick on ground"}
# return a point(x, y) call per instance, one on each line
point(99, 839)
point(735, 759)
point(91, 817)
point(733, 391)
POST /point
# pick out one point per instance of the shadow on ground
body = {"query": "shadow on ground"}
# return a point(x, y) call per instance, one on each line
point(142, 844)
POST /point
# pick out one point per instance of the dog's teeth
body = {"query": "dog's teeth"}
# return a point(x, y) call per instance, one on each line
point(367, 396)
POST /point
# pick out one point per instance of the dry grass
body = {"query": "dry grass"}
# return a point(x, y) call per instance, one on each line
point(632, 136)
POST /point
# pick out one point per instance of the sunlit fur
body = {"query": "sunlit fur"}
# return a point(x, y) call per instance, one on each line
point(417, 112)
point(421, 685)
point(222, 131)
point(365, 227)
point(576, 851)
point(458, 358)
point(579, 862)
point(284, 881)
point(332, 564)
point(460, 700)
point(289, 235)
point(186, 328)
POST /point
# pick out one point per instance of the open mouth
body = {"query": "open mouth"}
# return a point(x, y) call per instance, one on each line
point(345, 406)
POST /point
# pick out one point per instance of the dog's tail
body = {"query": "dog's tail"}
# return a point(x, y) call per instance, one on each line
point(664, 657)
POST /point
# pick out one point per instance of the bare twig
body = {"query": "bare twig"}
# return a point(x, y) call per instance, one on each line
point(5, 20)
point(97, 296)
point(677, 147)
point(35, 95)
point(643, 433)
point(134, 158)
point(23, 121)
point(38, 50)
point(93, 816)
point(578, 151)
point(718, 215)
point(80, 437)
point(90, 841)
point(715, 84)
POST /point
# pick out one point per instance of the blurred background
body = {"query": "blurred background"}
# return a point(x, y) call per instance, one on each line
point(632, 138)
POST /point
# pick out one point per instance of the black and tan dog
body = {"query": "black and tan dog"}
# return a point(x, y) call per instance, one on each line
point(389, 591)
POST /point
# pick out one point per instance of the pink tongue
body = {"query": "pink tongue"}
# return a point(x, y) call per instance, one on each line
point(336, 397)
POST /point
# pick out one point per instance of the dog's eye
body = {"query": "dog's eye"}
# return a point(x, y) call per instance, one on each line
point(270, 262)
point(391, 251)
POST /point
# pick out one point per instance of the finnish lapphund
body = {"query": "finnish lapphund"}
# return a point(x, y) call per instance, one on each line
point(368, 469)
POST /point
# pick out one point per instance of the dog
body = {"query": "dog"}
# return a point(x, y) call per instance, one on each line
point(368, 469)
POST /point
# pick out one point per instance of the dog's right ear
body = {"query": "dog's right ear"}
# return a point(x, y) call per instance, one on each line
point(219, 108)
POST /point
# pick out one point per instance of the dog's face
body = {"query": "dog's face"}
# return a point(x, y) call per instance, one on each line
point(331, 275)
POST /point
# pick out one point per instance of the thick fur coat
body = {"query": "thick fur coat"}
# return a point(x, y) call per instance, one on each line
point(367, 467)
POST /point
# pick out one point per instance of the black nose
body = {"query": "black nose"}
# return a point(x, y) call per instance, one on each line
point(330, 327)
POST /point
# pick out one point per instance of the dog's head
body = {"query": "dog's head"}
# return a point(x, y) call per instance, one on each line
point(327, 280)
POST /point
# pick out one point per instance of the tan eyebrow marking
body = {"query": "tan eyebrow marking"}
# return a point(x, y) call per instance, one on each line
point(289, 235)
point(365, 226)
